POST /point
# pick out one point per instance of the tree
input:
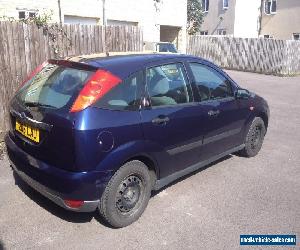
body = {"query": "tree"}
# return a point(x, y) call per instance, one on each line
point(194, 16)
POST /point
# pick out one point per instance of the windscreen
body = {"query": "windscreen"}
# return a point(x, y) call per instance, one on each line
point(166, 47)
point(53, 87)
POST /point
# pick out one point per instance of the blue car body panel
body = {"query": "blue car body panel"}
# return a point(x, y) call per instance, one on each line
point(84, 149)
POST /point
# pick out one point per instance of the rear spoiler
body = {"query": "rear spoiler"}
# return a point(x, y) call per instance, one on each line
point(72, 64)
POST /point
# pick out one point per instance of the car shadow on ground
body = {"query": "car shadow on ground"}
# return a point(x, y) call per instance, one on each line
point(75, 217)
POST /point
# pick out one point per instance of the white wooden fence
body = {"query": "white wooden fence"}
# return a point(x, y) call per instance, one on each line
point(267, 56)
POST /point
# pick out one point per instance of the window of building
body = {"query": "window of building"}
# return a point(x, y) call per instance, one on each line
point(168, 85)
point(225, 4)
point(211, 84)
point(221, 32)
point(31, 14)
point(296, 36)
point(270, 7)
point(69, 19)
point(204, 33)
point(205, 5)
point(268, 36)
point(23, 14)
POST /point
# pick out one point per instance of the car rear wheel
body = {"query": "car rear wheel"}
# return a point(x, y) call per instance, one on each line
point(127, 194)
point(254, 138)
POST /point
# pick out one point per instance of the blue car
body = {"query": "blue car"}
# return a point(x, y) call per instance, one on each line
point(100, 133)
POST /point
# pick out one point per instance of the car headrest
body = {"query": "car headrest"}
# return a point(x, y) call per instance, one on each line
point(159, 85)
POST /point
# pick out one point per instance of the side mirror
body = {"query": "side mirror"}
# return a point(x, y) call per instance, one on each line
point(242, 94)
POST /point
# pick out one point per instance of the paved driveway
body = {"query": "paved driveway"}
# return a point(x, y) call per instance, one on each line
point(207, 210)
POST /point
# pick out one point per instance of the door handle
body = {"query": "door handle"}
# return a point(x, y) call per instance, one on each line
point(161, 120)
point(213, 112)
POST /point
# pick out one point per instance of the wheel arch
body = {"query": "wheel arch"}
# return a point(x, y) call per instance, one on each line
point(265, 118)
point(149, 162)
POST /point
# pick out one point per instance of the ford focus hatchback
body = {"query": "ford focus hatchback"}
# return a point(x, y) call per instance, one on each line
point(100, 133)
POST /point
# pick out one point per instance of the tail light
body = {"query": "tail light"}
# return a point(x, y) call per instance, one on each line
point(97, 86)
point(34, 72)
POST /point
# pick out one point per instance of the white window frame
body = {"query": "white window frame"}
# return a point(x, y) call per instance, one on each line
point(270, 10)
point(27, 12)
point(225, 7)
point(206, 6)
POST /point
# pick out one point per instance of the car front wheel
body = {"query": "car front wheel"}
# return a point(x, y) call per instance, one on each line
point(254, 138)
point(127, 194)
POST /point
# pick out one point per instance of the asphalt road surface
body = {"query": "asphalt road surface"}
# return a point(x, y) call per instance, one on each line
point(207, 210)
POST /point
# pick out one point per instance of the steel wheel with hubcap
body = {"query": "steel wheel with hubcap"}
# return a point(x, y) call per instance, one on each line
point(129, 193)
point(126, 195)
point(254, 138)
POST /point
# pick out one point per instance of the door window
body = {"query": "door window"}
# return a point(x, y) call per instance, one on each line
point(168, 85)
point(211, 84)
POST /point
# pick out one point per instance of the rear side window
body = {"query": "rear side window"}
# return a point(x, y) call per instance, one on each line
point(168, 85)
point(211, 84)
point(124, 96)
point(53, 87)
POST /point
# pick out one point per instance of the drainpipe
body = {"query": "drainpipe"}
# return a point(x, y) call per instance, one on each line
point(103, 13)
point(260, 17)
point(59, 11)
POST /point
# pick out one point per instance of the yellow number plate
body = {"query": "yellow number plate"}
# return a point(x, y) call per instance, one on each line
point(29, 132)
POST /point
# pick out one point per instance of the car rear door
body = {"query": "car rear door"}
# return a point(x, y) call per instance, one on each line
point(225, 117)
point(171, 121)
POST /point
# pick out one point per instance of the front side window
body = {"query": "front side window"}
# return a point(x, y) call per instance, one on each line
point(205, 5)
point(124, 96)
point(270, 7)
point(168, 85)
point(211, 84)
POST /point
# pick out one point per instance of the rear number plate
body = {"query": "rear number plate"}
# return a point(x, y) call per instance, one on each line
point(31, 133)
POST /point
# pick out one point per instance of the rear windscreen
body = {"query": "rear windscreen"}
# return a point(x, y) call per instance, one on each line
point(53, 87)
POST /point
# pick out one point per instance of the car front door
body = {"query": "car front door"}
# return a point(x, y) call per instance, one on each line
point(225, 117)
point(171, 122)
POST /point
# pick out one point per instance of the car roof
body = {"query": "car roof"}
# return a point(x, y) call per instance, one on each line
point(125, 63)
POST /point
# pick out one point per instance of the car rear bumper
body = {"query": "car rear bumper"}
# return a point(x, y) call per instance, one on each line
point(57, 184)
point(88, 206)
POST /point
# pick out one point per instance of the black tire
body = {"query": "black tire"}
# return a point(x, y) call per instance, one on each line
point(127, 194)
point(254, 138)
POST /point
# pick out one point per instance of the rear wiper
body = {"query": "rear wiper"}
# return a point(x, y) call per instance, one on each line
point(37, 104)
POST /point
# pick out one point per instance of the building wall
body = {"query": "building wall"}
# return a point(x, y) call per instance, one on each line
point(247, 18)
point(285, 22)
point(10, 8)
point(93, 9)
point(218, 18)
point(144, 13)
point(81, 8)
point(150, 16)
